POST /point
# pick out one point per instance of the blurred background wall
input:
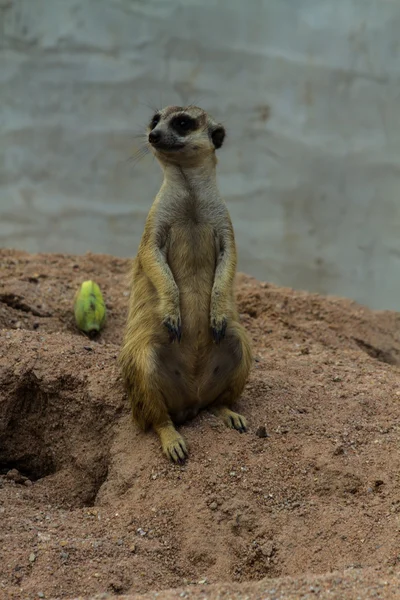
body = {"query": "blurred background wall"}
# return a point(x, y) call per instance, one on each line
point(308, 90)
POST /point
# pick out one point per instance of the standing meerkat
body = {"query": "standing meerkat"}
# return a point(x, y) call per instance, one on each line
point(184, 349)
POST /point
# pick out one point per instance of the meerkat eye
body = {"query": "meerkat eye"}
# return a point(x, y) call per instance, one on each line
point(183, 124)
point(155, 120)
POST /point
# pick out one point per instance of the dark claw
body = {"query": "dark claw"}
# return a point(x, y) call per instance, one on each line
point(174, 456)
point(175, 331)
point(219, 332)
point(184, 451)
point(241, 429)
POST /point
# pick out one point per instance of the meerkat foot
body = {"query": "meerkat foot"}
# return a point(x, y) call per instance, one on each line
point(218, 328)
point(173, 444)
point(173, 324)
point(231, 419)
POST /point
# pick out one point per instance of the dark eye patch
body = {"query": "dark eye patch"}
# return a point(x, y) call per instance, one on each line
point(183, 124)
point(155, 120)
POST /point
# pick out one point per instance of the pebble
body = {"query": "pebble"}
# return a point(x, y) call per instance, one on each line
point(15, 475)
point(41, 595)
point(32, 557)
point(261, 432)
point(213, 506)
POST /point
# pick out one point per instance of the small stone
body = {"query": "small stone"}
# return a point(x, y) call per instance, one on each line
point(64, 555)
point(28, 483)
point(132, 548)
point(213, 506)
point(41, 595)
point(261, 432)
point(120, 542)
point(15, 475)
point(32, 557)
point(268, 549)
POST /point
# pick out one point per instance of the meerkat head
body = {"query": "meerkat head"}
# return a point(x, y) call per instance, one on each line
point(181, 135)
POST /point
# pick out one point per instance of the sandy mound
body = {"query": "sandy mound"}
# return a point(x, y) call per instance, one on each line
point(88, 504)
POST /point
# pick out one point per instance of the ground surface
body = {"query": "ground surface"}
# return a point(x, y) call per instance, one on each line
point(89, 505)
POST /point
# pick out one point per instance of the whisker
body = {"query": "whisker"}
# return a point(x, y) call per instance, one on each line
point(138, 136)
point(196, 102)
point(150, 106)
point(138, 155)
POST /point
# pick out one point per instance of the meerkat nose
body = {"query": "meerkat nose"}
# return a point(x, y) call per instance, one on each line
point(154, 137)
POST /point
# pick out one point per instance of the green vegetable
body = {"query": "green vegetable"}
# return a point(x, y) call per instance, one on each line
point(89, 308)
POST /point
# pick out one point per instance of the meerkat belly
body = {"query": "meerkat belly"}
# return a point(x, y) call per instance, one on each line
point(191, 257)
point(192, 260)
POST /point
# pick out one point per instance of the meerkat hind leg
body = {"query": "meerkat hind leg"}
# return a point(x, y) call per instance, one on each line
point(173, 444)
point(232, 374)
point(232, 419)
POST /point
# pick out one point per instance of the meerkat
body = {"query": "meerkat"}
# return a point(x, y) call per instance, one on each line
point(184, 349)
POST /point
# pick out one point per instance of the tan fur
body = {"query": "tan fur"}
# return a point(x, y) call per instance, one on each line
point(182, 284)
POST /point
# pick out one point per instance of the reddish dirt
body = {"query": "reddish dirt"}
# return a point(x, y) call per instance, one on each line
point(89, 505)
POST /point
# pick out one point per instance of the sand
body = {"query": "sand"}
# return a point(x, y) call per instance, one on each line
point(305, 505)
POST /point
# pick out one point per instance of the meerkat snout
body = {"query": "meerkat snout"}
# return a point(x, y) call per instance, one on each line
point(154, 137)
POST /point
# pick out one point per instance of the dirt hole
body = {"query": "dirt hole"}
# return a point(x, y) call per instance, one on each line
point(41, 439)
point(382, 355)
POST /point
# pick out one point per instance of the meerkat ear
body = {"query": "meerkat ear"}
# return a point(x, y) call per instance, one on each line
point(218, 136)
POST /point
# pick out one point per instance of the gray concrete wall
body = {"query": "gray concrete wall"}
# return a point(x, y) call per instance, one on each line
point(309, 92)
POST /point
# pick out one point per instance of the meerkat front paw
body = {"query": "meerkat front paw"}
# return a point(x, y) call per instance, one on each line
point(218, 327)
point(173, 324)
